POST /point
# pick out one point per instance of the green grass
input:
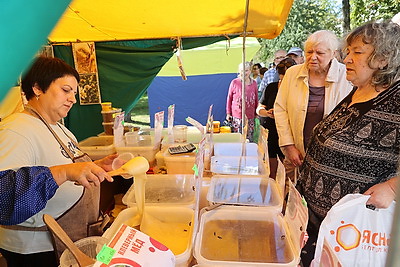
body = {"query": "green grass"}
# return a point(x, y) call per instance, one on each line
point(140, 113)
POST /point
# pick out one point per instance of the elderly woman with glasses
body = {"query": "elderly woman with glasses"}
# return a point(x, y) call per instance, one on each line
point(308, 93)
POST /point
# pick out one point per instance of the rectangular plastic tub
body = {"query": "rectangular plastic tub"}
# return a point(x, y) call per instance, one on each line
point(173, 226)
point(144, 147)
point(245, 190)
point(165, 189)
point(244, 236)
point(98, 147)
point(179, 163)
point(235, 149)
point(194, 136)
point(230, 165)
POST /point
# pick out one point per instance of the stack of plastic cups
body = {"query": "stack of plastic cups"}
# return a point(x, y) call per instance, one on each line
point(108, 114)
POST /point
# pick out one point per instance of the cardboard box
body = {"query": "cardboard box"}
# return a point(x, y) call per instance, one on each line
point(130, 247)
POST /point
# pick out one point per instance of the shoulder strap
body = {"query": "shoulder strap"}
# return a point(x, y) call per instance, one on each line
point(34, 112)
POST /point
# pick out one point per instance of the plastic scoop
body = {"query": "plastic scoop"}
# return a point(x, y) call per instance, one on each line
point(134, 167)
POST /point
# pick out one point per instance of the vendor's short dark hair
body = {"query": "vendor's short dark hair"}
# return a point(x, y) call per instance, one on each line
point(43, 72)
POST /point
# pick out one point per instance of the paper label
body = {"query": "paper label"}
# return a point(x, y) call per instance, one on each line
point(134, 248)
point(158, 127)
point(171, 115)
point(196, 124)
point(119, 130)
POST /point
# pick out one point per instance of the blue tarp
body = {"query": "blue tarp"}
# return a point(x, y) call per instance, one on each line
point(192, 97)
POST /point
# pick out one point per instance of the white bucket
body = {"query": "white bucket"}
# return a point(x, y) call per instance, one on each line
point(89, 245)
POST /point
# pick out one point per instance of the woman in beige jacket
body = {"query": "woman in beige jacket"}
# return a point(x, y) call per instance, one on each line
point(308, 92)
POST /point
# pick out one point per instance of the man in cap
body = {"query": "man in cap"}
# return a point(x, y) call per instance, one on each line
point(272, 75)
point(296, 54)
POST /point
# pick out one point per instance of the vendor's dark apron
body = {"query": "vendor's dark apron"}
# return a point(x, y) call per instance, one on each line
point(82, 219)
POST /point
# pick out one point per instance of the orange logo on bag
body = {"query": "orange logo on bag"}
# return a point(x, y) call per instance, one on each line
point(349, 237)
point(348, 230)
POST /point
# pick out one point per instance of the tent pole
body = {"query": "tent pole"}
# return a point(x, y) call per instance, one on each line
point(246, 14)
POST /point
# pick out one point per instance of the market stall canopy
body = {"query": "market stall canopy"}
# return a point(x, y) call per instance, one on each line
point(104, 20)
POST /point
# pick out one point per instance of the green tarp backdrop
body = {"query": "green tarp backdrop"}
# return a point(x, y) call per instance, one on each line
point(126, 69)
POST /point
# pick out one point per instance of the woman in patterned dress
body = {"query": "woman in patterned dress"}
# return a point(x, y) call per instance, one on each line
point(356, 148)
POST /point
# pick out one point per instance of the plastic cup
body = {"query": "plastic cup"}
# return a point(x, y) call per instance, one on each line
point(131, 138)
point(106, 106)
point(121, 160)
point(216, 125)
point(180, 133)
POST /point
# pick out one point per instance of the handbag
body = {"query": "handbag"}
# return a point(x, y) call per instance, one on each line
point(358, 235)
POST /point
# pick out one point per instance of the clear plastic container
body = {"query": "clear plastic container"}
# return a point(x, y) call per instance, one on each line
point(98, 147)
point(165, 189)
point(244, 190)
point(170, 225)
point(244, 236)
point(235, 149)
point(179, 163)
point(109, 115)
point(131, 138)
point(145, 147)
point(180, 133)
point(230, 165)
point(194, 136)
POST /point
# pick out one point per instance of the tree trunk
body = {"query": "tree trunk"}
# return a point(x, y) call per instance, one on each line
point(346, 15)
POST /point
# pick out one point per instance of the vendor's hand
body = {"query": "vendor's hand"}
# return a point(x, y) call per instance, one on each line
point(382, 195)
point(228, 117)
point(106, 163)
point(84, 173)
point(293, 155)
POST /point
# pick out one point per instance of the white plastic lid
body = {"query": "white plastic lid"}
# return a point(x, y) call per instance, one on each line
point(244, 190)
point(230, 165)
point(235, 149)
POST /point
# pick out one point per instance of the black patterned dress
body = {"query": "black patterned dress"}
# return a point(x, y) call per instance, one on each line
point(352, 149)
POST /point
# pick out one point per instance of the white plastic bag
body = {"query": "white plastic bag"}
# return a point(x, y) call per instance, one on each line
point(359, 236)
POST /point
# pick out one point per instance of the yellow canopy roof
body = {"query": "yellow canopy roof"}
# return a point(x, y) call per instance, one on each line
point(105, 20)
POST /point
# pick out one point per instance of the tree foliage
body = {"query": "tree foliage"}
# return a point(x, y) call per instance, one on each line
point(305, 17)
point(366, 10)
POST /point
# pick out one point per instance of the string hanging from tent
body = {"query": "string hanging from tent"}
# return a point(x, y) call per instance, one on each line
point(179, 48)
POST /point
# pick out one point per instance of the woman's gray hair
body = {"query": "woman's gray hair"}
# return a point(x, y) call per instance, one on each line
point(385, 39)
point(247, 64)
point(329, 38)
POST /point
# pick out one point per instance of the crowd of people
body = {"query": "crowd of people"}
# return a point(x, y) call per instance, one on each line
point(334, 125)
point(332, 114)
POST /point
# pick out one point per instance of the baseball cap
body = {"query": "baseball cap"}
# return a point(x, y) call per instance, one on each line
point(296, 51)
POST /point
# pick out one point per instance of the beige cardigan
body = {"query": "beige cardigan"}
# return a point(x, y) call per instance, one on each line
point(291, 103)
